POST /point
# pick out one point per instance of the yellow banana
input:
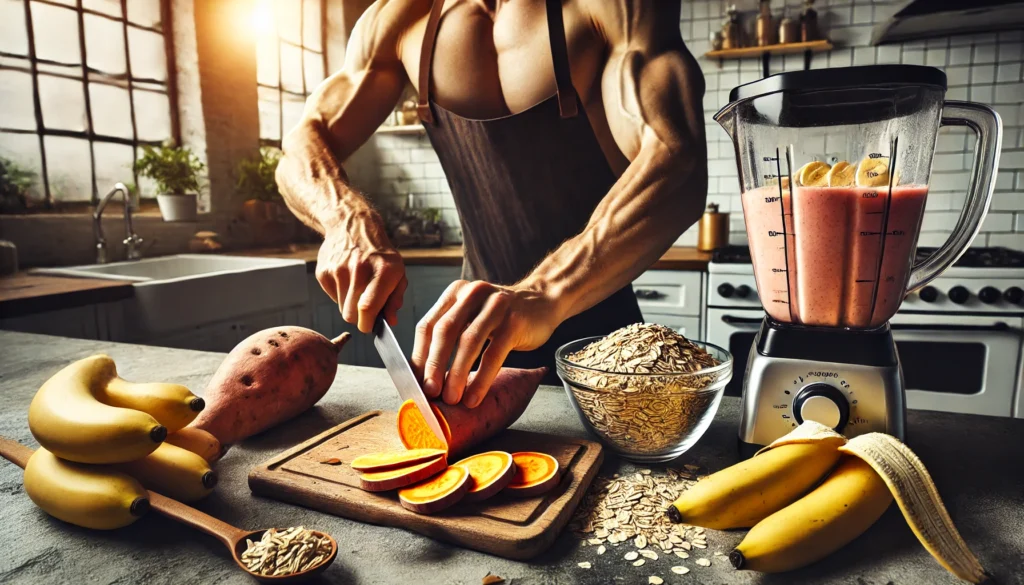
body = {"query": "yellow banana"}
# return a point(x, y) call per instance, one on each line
point(846, 504)
point(813, 174)
point(197, 441)
point(172, 405)
point(173, 472)
point(91, 496)
point(743, 494)
point(68, 420)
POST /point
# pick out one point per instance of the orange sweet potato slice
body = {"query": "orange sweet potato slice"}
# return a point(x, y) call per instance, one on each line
point(388, 460)
point(437, 493)
point(382, 481)
point(465, 427)
point(535, 474)
point(489, 473)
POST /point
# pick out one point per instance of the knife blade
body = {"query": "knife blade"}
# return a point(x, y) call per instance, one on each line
point(402, 375)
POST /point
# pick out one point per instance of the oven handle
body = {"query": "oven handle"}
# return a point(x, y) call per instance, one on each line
point(742, 322)
point(998, 326)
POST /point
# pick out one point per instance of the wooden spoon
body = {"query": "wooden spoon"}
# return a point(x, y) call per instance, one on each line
point(230, 536)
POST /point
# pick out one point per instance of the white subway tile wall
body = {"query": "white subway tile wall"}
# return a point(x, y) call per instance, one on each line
point(984, 67)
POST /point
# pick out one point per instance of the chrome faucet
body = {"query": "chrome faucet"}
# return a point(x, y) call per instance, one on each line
point(132, 242)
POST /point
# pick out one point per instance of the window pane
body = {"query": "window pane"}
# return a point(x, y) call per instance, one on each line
point(144, 12)
point(104, 44)
point(286, 15)
point(311, 25)
point(291, 68)
point(69, 168)
point(111, 110)
point(111, 7)
point(56, 33)
point(17, 111)
point(152, 115)
point(266, 60)
point(23, 149)
point(63, 103)
point(270, 110)
point(293, 107)
point(313, 64)
point(148, 55)
point(113, 164)
point(13, 33)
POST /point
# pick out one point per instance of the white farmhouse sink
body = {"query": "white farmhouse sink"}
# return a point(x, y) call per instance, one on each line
point(175, 293)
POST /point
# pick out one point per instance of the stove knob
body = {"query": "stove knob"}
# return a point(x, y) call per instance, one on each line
point(959, 295)
point(989, 295)
point(743, 291)
point(726, 290)
point(822, 403)
point(929, 294)
point(1014, 295)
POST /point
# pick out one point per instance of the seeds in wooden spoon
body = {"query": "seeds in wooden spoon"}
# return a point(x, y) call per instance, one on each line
point(292, 550)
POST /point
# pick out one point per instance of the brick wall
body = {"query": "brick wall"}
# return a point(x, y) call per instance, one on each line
point(986, 68)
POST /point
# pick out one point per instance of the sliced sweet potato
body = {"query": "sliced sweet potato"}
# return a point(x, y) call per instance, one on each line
point(437, 493)
point(465, 427)
point(387, 460)
point(535, 474)
point(383, 481)
point(489, 473)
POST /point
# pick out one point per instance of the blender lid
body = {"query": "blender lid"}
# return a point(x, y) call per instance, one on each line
point(841, 78)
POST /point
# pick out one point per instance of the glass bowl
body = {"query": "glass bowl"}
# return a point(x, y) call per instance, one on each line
point(645, 418)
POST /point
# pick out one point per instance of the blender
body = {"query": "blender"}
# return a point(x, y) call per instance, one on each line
point(834, 167)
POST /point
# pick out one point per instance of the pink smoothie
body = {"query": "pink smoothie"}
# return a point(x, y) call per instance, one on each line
point(838, 273)
point(763, 213)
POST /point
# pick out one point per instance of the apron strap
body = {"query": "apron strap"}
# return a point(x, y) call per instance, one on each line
point(560, 57)
point(426, 61)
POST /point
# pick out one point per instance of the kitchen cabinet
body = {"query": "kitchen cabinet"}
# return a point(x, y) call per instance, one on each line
point(223, 336)
point(101, 321)
point(672, 298)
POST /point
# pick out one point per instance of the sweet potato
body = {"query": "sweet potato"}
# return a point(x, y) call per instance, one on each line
point(197, 441)
point(438, 493)
point(465, 427)
point(268, 378)
point(489, 472)
point(394, 459)
point(536, 473)
point(382, 481)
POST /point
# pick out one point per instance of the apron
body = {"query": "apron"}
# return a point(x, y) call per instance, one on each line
point(522, 185)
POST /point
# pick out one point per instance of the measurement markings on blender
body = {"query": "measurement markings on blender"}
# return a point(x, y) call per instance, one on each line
point(885, 219)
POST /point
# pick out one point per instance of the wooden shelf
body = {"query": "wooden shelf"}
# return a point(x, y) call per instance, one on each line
point(789, 48)
point(407, 129)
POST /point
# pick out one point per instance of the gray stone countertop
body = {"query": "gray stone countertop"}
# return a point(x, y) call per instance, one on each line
point(977, 463)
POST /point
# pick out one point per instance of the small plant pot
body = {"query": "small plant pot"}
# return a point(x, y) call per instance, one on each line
point(177, 207)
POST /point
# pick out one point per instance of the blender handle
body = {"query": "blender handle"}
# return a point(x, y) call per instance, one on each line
point(985, 122)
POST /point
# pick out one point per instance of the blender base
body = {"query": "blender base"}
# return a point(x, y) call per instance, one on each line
point(845, 379)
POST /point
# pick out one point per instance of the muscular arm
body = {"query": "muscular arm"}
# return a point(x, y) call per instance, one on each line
point(357, 266)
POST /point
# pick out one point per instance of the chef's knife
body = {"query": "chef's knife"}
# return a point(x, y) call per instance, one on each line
point(401, 374)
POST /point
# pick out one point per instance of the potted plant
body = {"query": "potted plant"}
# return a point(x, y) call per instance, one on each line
point(264, 210)
point(15, 183)
point(176, 170)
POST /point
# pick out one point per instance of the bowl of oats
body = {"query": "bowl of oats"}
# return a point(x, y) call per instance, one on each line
point(645, 391)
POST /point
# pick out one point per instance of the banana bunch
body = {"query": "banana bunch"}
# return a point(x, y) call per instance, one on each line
point(816, 494)
point(103, 445)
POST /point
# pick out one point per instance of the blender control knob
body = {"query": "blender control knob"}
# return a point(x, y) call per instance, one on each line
point(726, 290)
point(822, 403)
point(959, 295)
point(743, 291)
point(929, 294)
point(1014, 295)
point(989, 295)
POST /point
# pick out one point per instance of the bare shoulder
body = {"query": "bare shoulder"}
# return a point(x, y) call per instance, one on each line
point(378, 33)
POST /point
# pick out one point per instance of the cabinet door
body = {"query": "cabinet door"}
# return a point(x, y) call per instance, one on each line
point(77, 322)
point(669, 292)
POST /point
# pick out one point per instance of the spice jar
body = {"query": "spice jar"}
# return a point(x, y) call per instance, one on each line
point(809, 23)
point(713, 229)
point(732, 31)
point(789, 30)
point(765, 31)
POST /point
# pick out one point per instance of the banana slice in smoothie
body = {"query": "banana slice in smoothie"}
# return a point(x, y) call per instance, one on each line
point(873, 172)
point(842, 174)
point(813, 174)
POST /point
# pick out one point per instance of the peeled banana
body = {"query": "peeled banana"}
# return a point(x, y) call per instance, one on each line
point(873, 172)
point(173, 472)
point(68, 420)
point(90, 496)
point(172, 405)
point(813, 174)
point(743, 494)
point(846, 504)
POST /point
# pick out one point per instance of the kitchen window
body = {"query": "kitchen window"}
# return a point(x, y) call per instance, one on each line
point(290, 61)
point(84, 83)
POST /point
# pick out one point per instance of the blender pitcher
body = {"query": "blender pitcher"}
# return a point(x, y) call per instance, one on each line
point(834, 168)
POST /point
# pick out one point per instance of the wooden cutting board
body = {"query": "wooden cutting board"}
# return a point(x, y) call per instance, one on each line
point(507, 527)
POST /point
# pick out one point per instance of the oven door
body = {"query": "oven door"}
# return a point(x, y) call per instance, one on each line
point(734, 329)
point(965, 364)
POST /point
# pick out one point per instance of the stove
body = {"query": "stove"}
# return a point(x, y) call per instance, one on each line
point(960, 338)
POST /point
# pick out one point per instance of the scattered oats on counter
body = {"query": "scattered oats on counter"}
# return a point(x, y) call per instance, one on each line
point(285, 552)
